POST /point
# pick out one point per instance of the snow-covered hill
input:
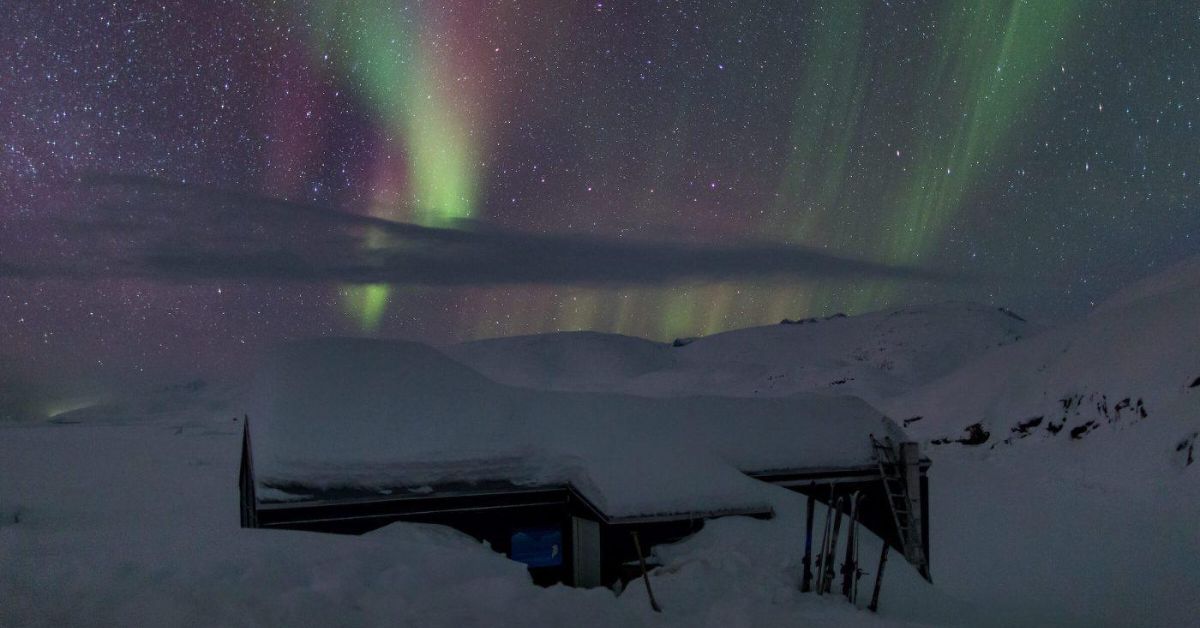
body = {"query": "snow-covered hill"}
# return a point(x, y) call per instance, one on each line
point(1083, 482)
point(873, 356)
point(1131, 366)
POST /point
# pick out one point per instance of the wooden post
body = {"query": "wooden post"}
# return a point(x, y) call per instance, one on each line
point(914, 545)
point(637, 545)
point(925, 528)
point(874, 607)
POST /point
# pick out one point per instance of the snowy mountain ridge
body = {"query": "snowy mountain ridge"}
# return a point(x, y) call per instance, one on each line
point(873, 355)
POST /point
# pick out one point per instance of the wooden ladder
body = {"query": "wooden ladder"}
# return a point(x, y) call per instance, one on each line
point(904, 512)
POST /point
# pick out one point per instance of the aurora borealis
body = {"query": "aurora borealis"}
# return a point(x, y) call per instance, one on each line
point(1046, 150)
point(408, 79)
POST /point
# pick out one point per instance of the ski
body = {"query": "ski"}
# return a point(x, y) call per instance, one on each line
point(850, 564)
point(828, 574)
point(824, 542)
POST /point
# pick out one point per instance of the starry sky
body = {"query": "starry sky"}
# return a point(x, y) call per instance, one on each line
point(182, 183)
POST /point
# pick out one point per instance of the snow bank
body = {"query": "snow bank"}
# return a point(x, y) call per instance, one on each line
point(389, 414)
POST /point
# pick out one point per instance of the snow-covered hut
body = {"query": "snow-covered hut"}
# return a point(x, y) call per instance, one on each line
point(348, 435)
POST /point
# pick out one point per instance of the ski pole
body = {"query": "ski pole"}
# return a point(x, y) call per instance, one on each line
point(827, 582)
point(637, 545)
point(874, 607)
point(806, 581)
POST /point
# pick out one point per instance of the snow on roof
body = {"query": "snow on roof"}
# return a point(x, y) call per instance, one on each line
point(338, 412)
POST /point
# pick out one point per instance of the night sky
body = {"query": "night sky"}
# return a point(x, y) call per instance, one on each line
point(1030, 154)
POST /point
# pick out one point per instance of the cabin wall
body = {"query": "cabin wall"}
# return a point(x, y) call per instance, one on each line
point(497, 526)
point(593, 553)
point(587, 553)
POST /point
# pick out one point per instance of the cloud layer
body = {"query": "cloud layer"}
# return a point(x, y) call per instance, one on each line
point(140, 227)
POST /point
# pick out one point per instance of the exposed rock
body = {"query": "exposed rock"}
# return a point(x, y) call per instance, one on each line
point(1023, 427)
point(976, 435)
point(1078, 431)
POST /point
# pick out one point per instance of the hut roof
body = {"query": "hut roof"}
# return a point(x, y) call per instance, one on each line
point(355, 415)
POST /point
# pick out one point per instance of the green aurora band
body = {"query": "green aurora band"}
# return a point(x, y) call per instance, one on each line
point(996, 71)
point(399, 78)
point(990, 58)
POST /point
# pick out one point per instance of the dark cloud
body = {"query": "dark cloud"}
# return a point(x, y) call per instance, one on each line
point(141, 227)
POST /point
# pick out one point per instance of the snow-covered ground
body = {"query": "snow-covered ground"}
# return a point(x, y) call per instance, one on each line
point(124, 512)
point(136, 523)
